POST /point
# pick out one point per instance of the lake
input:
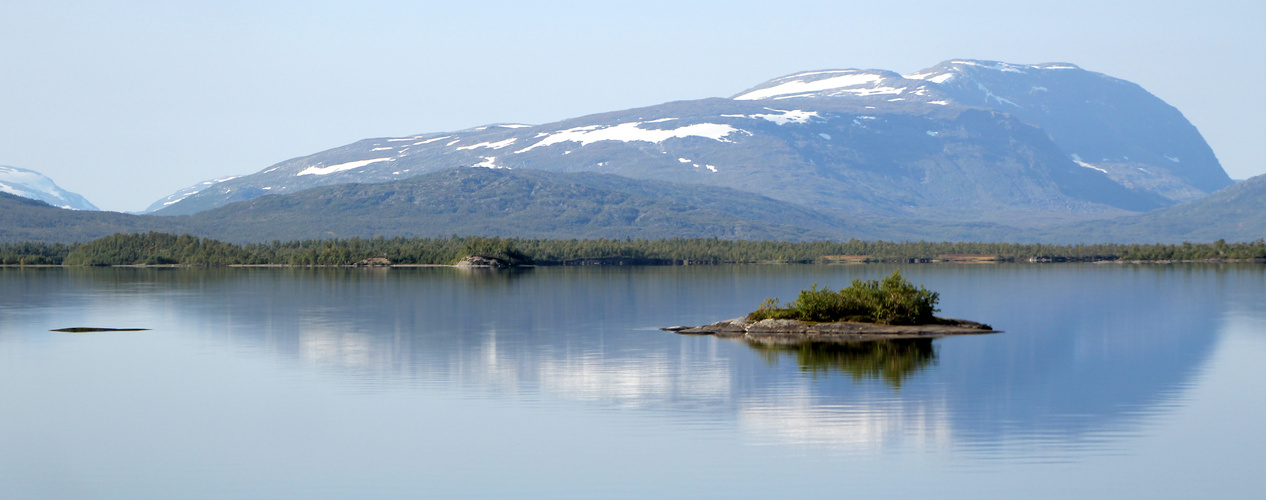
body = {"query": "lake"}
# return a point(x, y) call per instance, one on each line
point(1110, 381)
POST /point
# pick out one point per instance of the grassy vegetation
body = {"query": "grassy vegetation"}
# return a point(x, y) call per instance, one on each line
point(891, 301)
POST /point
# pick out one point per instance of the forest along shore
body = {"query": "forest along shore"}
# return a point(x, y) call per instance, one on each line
point(160, 249)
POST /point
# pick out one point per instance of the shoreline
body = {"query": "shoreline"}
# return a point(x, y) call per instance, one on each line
point(781, 331)
point(752, 263)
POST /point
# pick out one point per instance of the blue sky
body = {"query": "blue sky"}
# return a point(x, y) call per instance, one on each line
point(125, 102)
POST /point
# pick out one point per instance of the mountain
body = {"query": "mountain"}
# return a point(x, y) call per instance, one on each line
point(1237, 213)
point(184, 193)
point(33, 185)
point(962, 142)
point(1102, 123)
point(24, 219)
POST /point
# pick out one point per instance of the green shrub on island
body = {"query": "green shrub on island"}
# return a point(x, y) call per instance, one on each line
point(891, 301)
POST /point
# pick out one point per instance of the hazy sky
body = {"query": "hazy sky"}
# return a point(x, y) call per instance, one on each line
point(126, 102)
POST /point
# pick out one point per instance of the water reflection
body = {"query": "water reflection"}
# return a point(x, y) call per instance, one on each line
point(892, 361)
point(1089, 349)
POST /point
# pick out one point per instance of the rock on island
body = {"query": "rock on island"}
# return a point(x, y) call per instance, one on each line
point(795, 331)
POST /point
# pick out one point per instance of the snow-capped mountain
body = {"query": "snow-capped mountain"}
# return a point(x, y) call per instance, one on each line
point(34, 185)
point(963, 140)
point(184, 193)
point(1103, 123)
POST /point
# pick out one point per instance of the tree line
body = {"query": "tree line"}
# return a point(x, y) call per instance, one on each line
point(161, 248)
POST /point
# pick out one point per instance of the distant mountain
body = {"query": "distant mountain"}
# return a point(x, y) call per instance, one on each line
point(184, 193)
point(1101, 123)
point(25, 219)
point(965, 150)
point(1237, 213)
point(962, 142)
point(34, 185)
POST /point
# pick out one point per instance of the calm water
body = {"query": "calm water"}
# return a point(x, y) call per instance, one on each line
point(1111, 381)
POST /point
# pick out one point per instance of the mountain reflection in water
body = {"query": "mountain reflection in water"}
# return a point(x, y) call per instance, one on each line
point(1090, 351)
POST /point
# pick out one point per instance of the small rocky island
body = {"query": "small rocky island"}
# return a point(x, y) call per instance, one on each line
point(887, 309)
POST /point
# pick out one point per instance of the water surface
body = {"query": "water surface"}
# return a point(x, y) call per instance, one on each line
point(1110, 381)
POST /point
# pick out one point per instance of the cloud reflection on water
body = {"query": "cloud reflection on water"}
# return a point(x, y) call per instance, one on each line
point(1088, 350)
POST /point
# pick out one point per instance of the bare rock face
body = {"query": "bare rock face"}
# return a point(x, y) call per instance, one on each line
point(729, 328)
point(481, 261)
point(793, 331)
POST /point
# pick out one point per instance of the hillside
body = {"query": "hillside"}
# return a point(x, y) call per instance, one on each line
point(488, 202)
point(24, 219)
point(1237, 213)
point(535, 204)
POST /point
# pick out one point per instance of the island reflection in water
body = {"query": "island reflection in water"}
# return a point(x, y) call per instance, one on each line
point(1090, 350)
point(892, 361)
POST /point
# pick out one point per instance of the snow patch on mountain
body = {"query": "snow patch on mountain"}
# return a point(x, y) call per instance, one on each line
point(340, 167)
point(631, 132)
point(783, 117)
point(34, 185)
point(488, 162)
point(490, 145)
point(930, 76)
point(873, 91)
point(433, 139)
point(1077, 160)
point(990, 95)
point(800, 86)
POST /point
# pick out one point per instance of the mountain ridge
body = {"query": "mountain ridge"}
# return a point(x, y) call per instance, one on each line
point(540, 204)
point(943, 146)
point(1236, 213)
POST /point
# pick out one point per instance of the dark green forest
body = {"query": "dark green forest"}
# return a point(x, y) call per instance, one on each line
point(167, 249)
